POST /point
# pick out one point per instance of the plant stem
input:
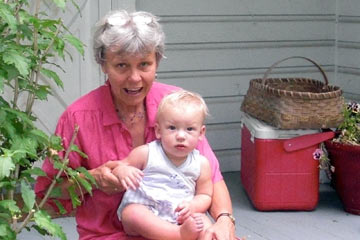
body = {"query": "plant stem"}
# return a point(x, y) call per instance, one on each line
point(30, 99)
point(16, 86)
point(31, 96)
point(12, 192)
point(53, 183)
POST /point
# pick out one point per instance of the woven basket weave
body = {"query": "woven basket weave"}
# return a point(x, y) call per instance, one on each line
point(294, 103)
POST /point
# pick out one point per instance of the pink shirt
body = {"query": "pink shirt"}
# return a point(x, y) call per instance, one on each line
point(103, 137)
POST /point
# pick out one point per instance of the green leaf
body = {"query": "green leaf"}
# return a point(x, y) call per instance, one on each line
point(7, 184)
point(2, 116)
point(6, 233)
point(22, 146)
point(75, 148)
point(10, 205)
point(74, 197)
point(58, 165)
point(55, 143)
point(19, 61)
point(87, 175)
point(28, 195)
point(2, 79)
point(6, 166)
point(43, 220)
point(76, 43)
point(5, 216)
point(56, 192)
point(35, 171)
point(21, 115)
point(54, 76)
point(60, 206)
point(7, 16)
point(40, 136)
point(60, 3)
point(85, 184)
point(11, 71)
point(42, 92)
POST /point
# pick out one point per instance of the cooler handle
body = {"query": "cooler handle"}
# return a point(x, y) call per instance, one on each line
point(307, 140)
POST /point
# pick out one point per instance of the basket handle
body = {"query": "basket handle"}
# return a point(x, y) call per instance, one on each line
point(308, 59)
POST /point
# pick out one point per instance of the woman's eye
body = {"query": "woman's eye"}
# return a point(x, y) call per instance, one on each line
point(144, 64)
point(121, 65)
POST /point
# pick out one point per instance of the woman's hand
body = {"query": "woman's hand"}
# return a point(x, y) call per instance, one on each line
point(222, 229)
point(105, 179)
point(129, 177)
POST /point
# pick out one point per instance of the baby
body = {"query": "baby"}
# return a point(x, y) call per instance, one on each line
point(168, 182)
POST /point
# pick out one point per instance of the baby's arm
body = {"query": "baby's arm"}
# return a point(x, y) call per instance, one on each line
point(202, 199)
point(129, 170)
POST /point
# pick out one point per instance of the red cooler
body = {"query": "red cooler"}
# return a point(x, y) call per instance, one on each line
point(278, 170)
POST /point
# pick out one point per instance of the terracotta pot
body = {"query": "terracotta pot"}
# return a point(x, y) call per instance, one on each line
point(346, 178)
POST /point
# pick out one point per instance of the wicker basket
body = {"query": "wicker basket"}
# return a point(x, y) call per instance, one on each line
point(294, 103)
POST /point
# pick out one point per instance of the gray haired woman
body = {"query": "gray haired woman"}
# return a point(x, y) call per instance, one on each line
point(118, 116)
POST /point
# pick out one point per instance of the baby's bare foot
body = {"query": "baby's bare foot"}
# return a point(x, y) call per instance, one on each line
point(192, 227)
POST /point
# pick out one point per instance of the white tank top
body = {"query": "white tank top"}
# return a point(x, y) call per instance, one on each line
point(164, 185)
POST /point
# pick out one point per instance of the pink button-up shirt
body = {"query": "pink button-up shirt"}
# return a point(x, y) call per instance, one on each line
point(103, 137)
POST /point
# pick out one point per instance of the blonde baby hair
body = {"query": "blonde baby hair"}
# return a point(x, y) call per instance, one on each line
point(183, 98)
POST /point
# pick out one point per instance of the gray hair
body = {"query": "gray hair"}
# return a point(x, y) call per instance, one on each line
point(128, 33)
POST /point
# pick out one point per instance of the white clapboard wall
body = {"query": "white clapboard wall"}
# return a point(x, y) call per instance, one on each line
point(215, 48)
point(348, 47)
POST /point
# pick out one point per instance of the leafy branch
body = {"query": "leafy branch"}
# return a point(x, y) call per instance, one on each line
point(29, 43)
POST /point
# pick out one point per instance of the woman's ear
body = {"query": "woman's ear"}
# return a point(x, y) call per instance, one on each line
point(202, 132)
point(103, 68)
point(157, 131)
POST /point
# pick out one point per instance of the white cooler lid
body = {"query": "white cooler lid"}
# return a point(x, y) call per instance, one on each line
point(260, 129)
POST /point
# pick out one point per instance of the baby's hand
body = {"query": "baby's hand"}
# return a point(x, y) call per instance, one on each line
point(184, 211)
point(130, 177)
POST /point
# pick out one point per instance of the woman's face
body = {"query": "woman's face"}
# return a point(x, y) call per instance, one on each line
point(131, 77)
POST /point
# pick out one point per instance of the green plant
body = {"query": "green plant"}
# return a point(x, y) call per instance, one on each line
point(29, 45)
point(349, 129)
point(348, 132)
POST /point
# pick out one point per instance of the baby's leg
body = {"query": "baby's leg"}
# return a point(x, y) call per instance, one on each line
point(138, 220)
point(192, 226)
point(207, 223)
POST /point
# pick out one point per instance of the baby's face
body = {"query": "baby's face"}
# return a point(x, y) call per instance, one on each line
point(180, 129)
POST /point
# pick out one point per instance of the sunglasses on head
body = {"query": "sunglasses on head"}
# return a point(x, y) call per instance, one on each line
point(117, 20)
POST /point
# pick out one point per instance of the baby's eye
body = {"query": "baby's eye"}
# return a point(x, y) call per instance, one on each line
point(172, 127)
point(190, 129)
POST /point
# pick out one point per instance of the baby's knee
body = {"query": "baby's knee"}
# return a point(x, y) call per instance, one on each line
point(131, 218)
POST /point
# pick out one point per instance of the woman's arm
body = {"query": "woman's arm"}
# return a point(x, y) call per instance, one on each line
point(223, 228)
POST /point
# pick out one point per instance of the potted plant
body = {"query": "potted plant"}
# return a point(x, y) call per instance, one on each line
point(344, 154)
point(29, 44)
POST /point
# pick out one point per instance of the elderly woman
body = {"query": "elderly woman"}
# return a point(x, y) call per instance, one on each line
point(118, 116)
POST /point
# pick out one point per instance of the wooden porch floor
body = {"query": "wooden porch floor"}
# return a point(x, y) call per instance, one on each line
point(327, 222)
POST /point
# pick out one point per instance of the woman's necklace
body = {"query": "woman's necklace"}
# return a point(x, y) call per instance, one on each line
point(134, 118)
